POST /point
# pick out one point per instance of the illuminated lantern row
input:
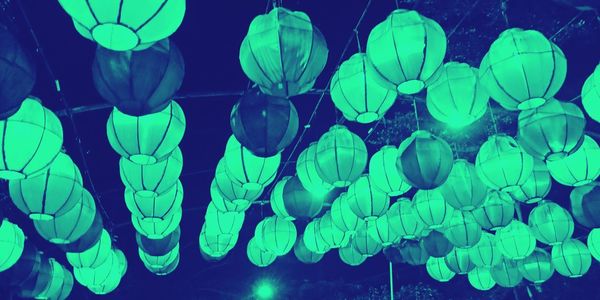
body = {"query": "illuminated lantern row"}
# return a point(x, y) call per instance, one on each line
point(536, 267)
point(125, 25)
point(481, 279)
point(404, 220)
point(485, 253)
point(104, 278)
point(536, 187)
point(385, 175)
point(502, 164)
point(365, 200)
point(463, 189)
point(306, 170)
point(153, 179)
point(356, 93)
point(406, 51)
point(342, 215)
point(341, 156)
point(283, 52)
point(497, 211)
point(571, 258)
point(506, 273)
point(590, 95)
point(300, 203)
point(258, 256)
point(456, 98)
point(438, 270)
point(522, 69)
point(251, 171)
point(580, 167)
point(515, 241)
point(303, 254)
point(551, 224)
point(462, 230)
point(228, 194)
point(436, 244)
point(431, 208)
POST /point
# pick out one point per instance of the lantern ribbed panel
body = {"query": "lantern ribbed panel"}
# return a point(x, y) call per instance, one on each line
point(462, 230)
point(306, 168)
point(365, 200)
point(381, 231)
point(276, 199)
point(502, 164)
point(463, 189)
point(536, 267)
point(247, 169)
point(497, 210)
point(431, 208)
point(536, 187)
point(579, 168)
point(159, 229)
point(516, 240)
point(506, 273)
point(158, 261)
point(17, 73)
point(438, 270)
point(385, 175)
point(56, 282)
point(486, 252)
point(216, 244)
point(593, 243)
point(342, 215)
point(88, 239)
point(158, 247)
point(364, 243)
point(303, 254)
point(122, 260)
point(96, 277)
point(232, 191)
point(414, 252)
point(278, 235)
point(300, 203)
point(165, 270)
point(258, 256)
point(218, 222)
point(341, 156)
point(67, 286)
point(333, 236)
point(152, 179)
point(350, 256)
point(313, 239)
point(551, 224)
point(436, 244)
point(37, 281)
point(458, 261)
point(404, 220)
point(571, 258)
point(157, 208)
point(12, 242)
point(590, 95)
point(225, 205)
point(94, 256)
point(481, 279)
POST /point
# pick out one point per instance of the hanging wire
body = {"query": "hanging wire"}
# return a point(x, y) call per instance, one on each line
point(493, 117)
point(358, 46)
point(397, 4)
point(464, 17)
point(575, 98)
point(414, 104)
point(565, 26)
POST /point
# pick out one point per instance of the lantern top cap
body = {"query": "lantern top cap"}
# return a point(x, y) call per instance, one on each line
point(422, 134)
point(338, 127)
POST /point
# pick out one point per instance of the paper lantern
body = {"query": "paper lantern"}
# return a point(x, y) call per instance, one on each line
point(522, 69)
point(247, 169)
point(463, 189)
point(481, 279)
point(306, 169)
point(71, 225)
point(571, 258)
point(166, 269)
point(593, 243)
point(414, 252)
point(155, 208)
point(158, 229)
point(404, 220)
point(356, 93)
point(88, 239)
point(35, 284)
point(365, 200)
point(350, 256)
point(303, 254)
point(385, 175)
point(431, 208)
point(125, 25)
point(341, 156)
point(264, 124)
point(506, 274)
point(515, 241)
point(122, 261)
point(462, 230)
point(31, 139)
point(438, 270)
point(536, 187)
point(258, 256)
point(139, 82)
point(497, 211)
point(225, 205)
point(158, 247)
point(161, 260)
point(95, 278)
point(364, 244)
point(276, 199)
point(216, 244)
point(536, 267)
point(333, 236)
point(590, 95)
point(278, 235)
point(550, 223)
point(218, 222)
point(502, 164)
point(457, 98)
point(146, 139)
point(381, 231)
point(300, 203)
point(283, 52)
point(94, 256)
point(406, 51)
point(57, 280)
point(424, 160)
point(65, 290)
point(579, 168)
point(26, 266)
point(18, 74)
point(313, 239)
point(585, 203)
point(436, 244)
point(153, 179)
point(232, 191)
point(342, 215)
point(458, 261)
point(486, 252)
point(12, 242)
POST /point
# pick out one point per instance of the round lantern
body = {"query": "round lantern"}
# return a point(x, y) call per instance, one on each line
point(463, 189)
point(536, 267)
point(414, 252)
point(438, 270)
point(506, 273)
point(71, 225)
point(139, 82)
point(551, 224)
point(166, 269)
point(536, 187)
point(122, 260)
point(157, 229)
point(404, 220)
point(385, 175)
point(485, 253)
point(264, 124)
point(94, 256)
point(350, 256)
point(306, 168)
point(579, 168)
point(37, 282)
point(424, 160)
point(27, 265)
point(108, 271)
point(218, 222)
point(88, 239)
point(458, 261)
point(276, 199)
point(313, 239)
point(333, 236)
point(216, 244)
point(522, 69)
point(247, 169)
point(257, 256)
point(283, 52)
point(497, 211)
point(31, 139)
point(12, 242)
point(341, 156)
point(406, 51)
point(125, 25)
point(516, 240)
point(436, 244)
point(585, 202)
point(57, 280)
point(462, 230)
point(571, 258)
point(593, 243)
point(146, 139)
point(431, 208)
point(481, 279)
point(158, 261)
point(365, 200)
point(342, 215)
point(502, 164)
point(67, 286)
point(158, 247)
point(300, 203)
point(278, 235)
point(456, 98)
point(356, 93)
point(157, 208)
point(303, 254)
point(232, 192)
point(364, 244)
point(590, 95)
point(381, 231)
point(153, 179)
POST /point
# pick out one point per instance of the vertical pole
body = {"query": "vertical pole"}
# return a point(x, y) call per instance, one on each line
point(391, 282)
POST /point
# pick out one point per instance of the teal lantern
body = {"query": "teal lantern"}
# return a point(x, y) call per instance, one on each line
point(283, 52)
point(146, 139)
point(457, 98)
point(39, 280)
point(94, 256)
point(551, 131)
point(303, 254)
point(424, 160)
point(585, 203)
point(341, 156)
point(166, 269)
point(67, 286)
point(431, 208)
point(438, 270)
point(125, 25)
point(381, 230)
point(481, 279)
point(462, 230)
point(12, 242)
point(516, 240)
point(385, 175)
point(593, 243)
point(579, 168)
point(258, 256)
point(276, 199)
point(364, 243)
point(157, 229)
point(57, 280)
point(522, 69)
point(458, 261)
point(506, 274)
point(158, 247)
point(590, 95)
point(342, 215)
point(31, 139)
point(155, 208)
point(278, 235)
point(463, 189)
point(413, 252)
point(350, 256)
point(300, 203)
point(218, 222)
point(551, 224)
point(313, 239)
point(536, 187)
point(216, 244)
point(225, 205)
point(153, 179)
point(356, 93)
point(406, 51)
point(306, 169)
point(102, 280)
point(231, 191)
point(88, 239)
point(571, 258)
point(497, 210)
point(404, 220)
point(365, 200)
point(486, 252)
point(247, 169)
point(536, 267)
point(436, 244)
point(52, 193)
point(160, 260)
point(502, 164)
point(331, 234)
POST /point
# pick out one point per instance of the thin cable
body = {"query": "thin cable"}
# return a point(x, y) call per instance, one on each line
point(464, 17)
point(416, 114)
point(391, 281)
point(397, 5)
point(575, 98)
point(565, 26)
point(493, 117)
point(357, 37)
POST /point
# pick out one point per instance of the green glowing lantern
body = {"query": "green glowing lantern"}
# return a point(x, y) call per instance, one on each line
point(251, 171)
point(94, 256)
point(216, 244)
point(590, 95)
point(586, 196)
point(57, 280)
point(506, 274)
point(457, 98)
point(35, 284)
point(522, 69)
point(276, 199)
point(350, 256)
point(385, 175)
point(414, 252)
point(300, 203)
point(52, 193)
point(536, 187)
point(463, 189)
point(424, 160)
point(356, 93)
point(497, 210)
point(462, 230)
point(125, 25)
point(593, 243)
point(342, 215)
point(436, 244)
point(481, 279)
point(218, 222)
point(153, 179)
point(551, 224)
point(306, 169)
point(438, 270)
point(502, 164)
point(571, 258)
point(283, 52)
point(330, 234)
point(31, 139)
point(258, 256)
point(486, 252)
point(122, 261)
point(26, 266)
point(536, 267)
point(341, 156)
point(313, 239)
point(107, 272)
point(365, 200)
point(516, 240)
point(381, 231)
point(225, 205)
point(166, 269)
point(146, 139)
point(458, 261)
point(65, 289)
point(406, 51)
point(88, 239)
point(303, 254)
point(158, 261)
point(278, 235)
point(431, 208)
point(158, 247)
point(159, 228)
point(155, 208)
point(404, 220)
point(71, 225)
point(363, 243)
point(579, 168)
point(232, 191)
point(12, 242)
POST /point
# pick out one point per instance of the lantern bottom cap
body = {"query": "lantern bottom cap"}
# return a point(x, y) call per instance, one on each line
point(153, 219)
point(11, 175)
point(252, 186)
point(533, 200)
point(58, 241)
point(410, 87)
point(367, 117)
point(531, 103)
point(582, 182)
point(342, 183)
point(41, 216)
point(143, 159)
point(146, 194)
point(115, 37)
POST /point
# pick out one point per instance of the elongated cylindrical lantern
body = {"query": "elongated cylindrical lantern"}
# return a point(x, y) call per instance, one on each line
point(551, 224)
point(485, 253)
point(590, 95)
point(384, 173)
point(155, 208)
point(580, 167)
point(537, 267)
point(497, 211)
point(404, 220)
point(251, 171)
point(536, 187)
point(365, 200)
point(431, 208)
point(153, 179)
point(571, 258)
point(516, 240)
point(306, 169)
point(341, 156)
point(463, 189)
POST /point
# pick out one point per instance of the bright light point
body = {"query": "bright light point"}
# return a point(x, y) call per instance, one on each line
point(264, 290)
